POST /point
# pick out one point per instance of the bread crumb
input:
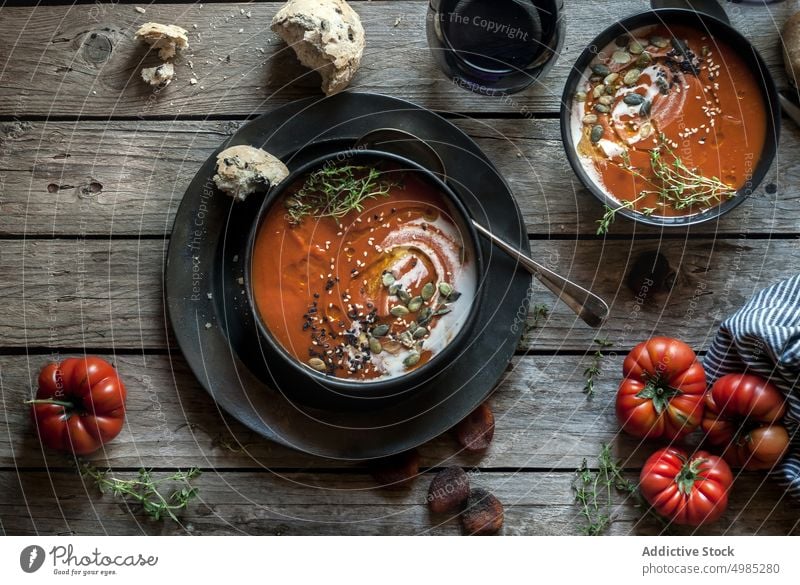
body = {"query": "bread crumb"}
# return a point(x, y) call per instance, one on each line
point(159, 76)
point(139, 9)
point(208, 325)
point(167, 38)
point(193, 81)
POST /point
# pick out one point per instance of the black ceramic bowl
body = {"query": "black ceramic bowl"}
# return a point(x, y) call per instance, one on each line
point(713, 27)
point(299, 382)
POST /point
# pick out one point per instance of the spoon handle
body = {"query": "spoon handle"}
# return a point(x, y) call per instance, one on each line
point(588, 306)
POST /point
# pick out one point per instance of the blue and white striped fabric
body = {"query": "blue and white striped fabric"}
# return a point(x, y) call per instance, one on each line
point(763, 337)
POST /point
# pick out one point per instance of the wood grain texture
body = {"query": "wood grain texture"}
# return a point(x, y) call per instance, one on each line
point(83, 60)
point(543, 420)
point(128, 177)
point(336, 503)
point(97, 293)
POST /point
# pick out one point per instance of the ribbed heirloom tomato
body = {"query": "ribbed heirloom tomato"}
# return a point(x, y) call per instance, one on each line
point(686, 489)
point(743, 416)
point(79, 406)
point(661, 395)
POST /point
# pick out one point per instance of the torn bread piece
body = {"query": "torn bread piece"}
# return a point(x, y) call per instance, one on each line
point(327, 36)
point(243, 170)
point(159, 76)
point(167, 38)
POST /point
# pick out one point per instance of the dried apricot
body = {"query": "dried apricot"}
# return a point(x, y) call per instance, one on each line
point(483, 515)
point(448, 491)
point(475, 432)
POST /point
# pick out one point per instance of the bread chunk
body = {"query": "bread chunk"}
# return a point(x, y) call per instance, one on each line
point(326, 35)
point(243, 170)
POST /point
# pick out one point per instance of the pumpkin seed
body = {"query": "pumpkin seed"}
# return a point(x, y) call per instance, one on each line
point(580, 96)
point(601, 108)
point(391, 346)
point(318, 364)
point(380, 330)
point(595, 79)
point(611, 89)
point(388, 279)
point(644, 60)
point(395, 288)
point(633, 99)
point(415, 304)
point(646, 108)
point(610, 78)
point(375, 346)
point(621, 57)
point(428, 291)
point(590, 119)
point(659, 42)
point(411, 360)
point(404, 296)
point(399, 311)
point(454, 297)
point(598, 90)
point(680, 46)
point(636, 47)
point(442, 311)
point(631, 77)
point(424, 315)
point(420, 333)
point(600, 69)
point(406, 339)
point(606, 100)
point(446, 289)
point(597, 133)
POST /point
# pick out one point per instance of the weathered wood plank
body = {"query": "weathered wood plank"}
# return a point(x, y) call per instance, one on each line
point(75, 293)
point(128, 178)
point(83, 60)
point(543, 418)
point(303, 503)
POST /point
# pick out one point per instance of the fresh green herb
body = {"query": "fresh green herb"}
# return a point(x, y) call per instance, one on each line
point(145, 489)
point(594, 491)
point(676, 185)
point(594, 370)
point(335, 191)
point(538, 313)
point(611, 214)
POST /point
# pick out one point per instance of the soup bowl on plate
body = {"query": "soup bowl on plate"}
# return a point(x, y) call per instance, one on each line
point(670, 118)
point(362, 271)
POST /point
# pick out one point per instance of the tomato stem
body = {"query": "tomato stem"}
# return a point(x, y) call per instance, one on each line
point(51, 401)
point(689, 474)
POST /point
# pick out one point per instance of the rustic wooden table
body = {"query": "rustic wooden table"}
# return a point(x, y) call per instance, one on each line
point(93, 166)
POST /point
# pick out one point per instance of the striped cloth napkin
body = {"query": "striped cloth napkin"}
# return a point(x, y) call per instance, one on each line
point(764, 337)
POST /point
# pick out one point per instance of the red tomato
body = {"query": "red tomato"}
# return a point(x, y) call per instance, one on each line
point(661, 395)
point(80, 405)
point(743, 416)
point(686, 489)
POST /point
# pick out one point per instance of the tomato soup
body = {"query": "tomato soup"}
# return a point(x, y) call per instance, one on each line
point(669, 121)
point(363, 273)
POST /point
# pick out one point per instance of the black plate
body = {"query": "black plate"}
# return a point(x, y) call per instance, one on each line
point(719, 30)
point(213, 323)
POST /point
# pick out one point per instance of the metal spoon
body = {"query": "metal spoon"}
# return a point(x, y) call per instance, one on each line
point(710, 7)
point(587, 305)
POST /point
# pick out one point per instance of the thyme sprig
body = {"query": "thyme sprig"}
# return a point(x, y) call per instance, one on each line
point(146, 490)
point(676, 185)
point(594, 491)
point(335, 191)
point(595, 370)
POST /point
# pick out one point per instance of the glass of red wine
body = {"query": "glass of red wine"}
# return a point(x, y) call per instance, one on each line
point(495, 47)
